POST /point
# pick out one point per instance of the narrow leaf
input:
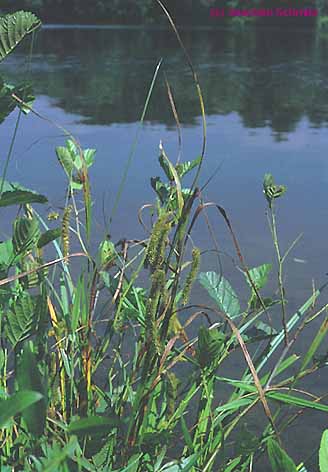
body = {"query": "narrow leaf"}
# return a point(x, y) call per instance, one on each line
point(279, 459)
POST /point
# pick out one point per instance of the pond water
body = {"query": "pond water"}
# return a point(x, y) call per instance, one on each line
point(266, 101)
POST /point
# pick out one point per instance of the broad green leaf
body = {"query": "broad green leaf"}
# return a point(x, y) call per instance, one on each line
point(29, 378)
point(222, 292)
point(323, 452)
point(13, 28)
point(93, 425)
point(185, 167)
point(89, 156)
point(259, 275)
point(106, 253)
point(17, 403)
point(7, 101)
point(26, 233)
point(259, 330)
point(162, 190)
point(6, 256)
point(210, 345)
point(70, 158)
point(279, 459)
point(66, 160)
point(49, 236)
point(16, 194)
point(21, 319)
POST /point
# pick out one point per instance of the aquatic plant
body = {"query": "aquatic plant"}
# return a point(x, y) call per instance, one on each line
point(101, 373)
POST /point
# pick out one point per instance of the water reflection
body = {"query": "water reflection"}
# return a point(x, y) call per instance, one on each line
point(269, 77)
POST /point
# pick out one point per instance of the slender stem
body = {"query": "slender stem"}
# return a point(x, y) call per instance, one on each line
point(280, 272)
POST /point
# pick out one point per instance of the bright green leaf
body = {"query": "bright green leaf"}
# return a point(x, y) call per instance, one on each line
point(222, 292)
point(323, 452)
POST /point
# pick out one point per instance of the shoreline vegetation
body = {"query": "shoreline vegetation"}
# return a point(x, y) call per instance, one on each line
point(101, 372)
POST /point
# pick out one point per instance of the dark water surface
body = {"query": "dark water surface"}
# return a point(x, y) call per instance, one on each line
point(266, 99)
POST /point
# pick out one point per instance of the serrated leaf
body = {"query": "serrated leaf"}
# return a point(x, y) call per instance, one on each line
point(21, 321)
point(26, 233)
point(259, 275)
point(279, 459)
point(185, 167)
point(13, 28)
point(222, 292)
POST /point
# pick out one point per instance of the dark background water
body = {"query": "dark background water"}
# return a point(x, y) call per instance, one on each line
point(266, 100)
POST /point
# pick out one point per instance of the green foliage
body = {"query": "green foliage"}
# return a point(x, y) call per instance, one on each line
point(93, 426)
point(26, 233)
point(99, 366)
point(15, 194)
point(29, 377)
point(210, 345)
point(323, 452)
point(8, 101)
point(13, 29)
point(279, 459)
point(222, 292)
point(17, 403)
point(49, 236)
point(259, 275)
point(21, 318)
point(106, 253)
point(6, 256)
point(323, 24)
point(72, 160)
point(271, 190)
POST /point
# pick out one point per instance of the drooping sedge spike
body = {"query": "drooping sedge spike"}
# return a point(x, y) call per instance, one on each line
point(65, 231)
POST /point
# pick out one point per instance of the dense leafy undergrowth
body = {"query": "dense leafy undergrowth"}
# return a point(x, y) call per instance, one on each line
point(142, 413)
